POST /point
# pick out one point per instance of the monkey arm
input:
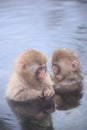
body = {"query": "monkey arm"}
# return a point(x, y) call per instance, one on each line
point(68, 87)
point(34, 94)
point(48, 93)
point(48, 89)
point(26, 94)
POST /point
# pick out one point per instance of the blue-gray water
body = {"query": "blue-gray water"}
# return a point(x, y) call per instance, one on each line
point(43, 25)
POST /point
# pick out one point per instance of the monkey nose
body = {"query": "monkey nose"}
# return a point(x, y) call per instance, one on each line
point(42, 74)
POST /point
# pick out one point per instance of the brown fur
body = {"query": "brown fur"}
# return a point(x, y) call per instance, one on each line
point(67, 56)
point(22, 85)
point(63, 53)
point(72, 82)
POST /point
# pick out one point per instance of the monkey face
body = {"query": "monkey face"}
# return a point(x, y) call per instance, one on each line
point(40, 73)
point(55, 68)
point(61, 70)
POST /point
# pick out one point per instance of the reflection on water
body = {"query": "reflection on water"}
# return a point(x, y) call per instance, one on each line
point(44, 25)
point(32, 115)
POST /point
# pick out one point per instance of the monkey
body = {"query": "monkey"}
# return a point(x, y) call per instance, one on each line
point(31, 120)
point(66, 74)
point(30, 82)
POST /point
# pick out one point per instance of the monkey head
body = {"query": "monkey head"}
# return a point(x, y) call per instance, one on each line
point(65, 65)
point(31, 64)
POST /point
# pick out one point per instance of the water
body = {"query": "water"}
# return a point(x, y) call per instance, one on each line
point(44, 25)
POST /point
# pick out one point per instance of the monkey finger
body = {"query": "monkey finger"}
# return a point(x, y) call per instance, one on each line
point(48, 94)
point(40, 96)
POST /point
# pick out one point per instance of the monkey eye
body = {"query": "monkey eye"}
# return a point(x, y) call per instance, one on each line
point(55, 68)
point(43, 67)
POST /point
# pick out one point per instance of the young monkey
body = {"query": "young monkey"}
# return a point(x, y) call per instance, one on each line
point(30, 80)
point(67, 73)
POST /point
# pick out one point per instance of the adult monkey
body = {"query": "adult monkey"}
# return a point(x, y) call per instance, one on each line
point(30, 81)
point(67, 73)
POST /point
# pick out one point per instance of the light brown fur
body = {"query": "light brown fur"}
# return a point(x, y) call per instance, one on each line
point(70, 71)
point(71, 77)
point(22, 85)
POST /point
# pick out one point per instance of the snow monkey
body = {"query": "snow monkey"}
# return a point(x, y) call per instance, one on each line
point(30, 81)
point(66, 72)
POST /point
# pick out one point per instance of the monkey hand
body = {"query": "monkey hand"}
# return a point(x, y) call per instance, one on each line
point(56, 88)
point(48, 93)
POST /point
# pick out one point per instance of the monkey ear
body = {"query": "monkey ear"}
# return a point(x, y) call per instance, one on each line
point(74, 65)
point(22, 65)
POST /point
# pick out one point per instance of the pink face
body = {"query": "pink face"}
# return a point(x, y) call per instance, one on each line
point(57, 73)
point(55, 69)
point(41, 73)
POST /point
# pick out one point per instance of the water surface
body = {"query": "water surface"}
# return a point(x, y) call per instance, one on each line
point(43, 25)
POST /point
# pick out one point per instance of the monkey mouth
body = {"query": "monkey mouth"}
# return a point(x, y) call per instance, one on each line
point(41, 80)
